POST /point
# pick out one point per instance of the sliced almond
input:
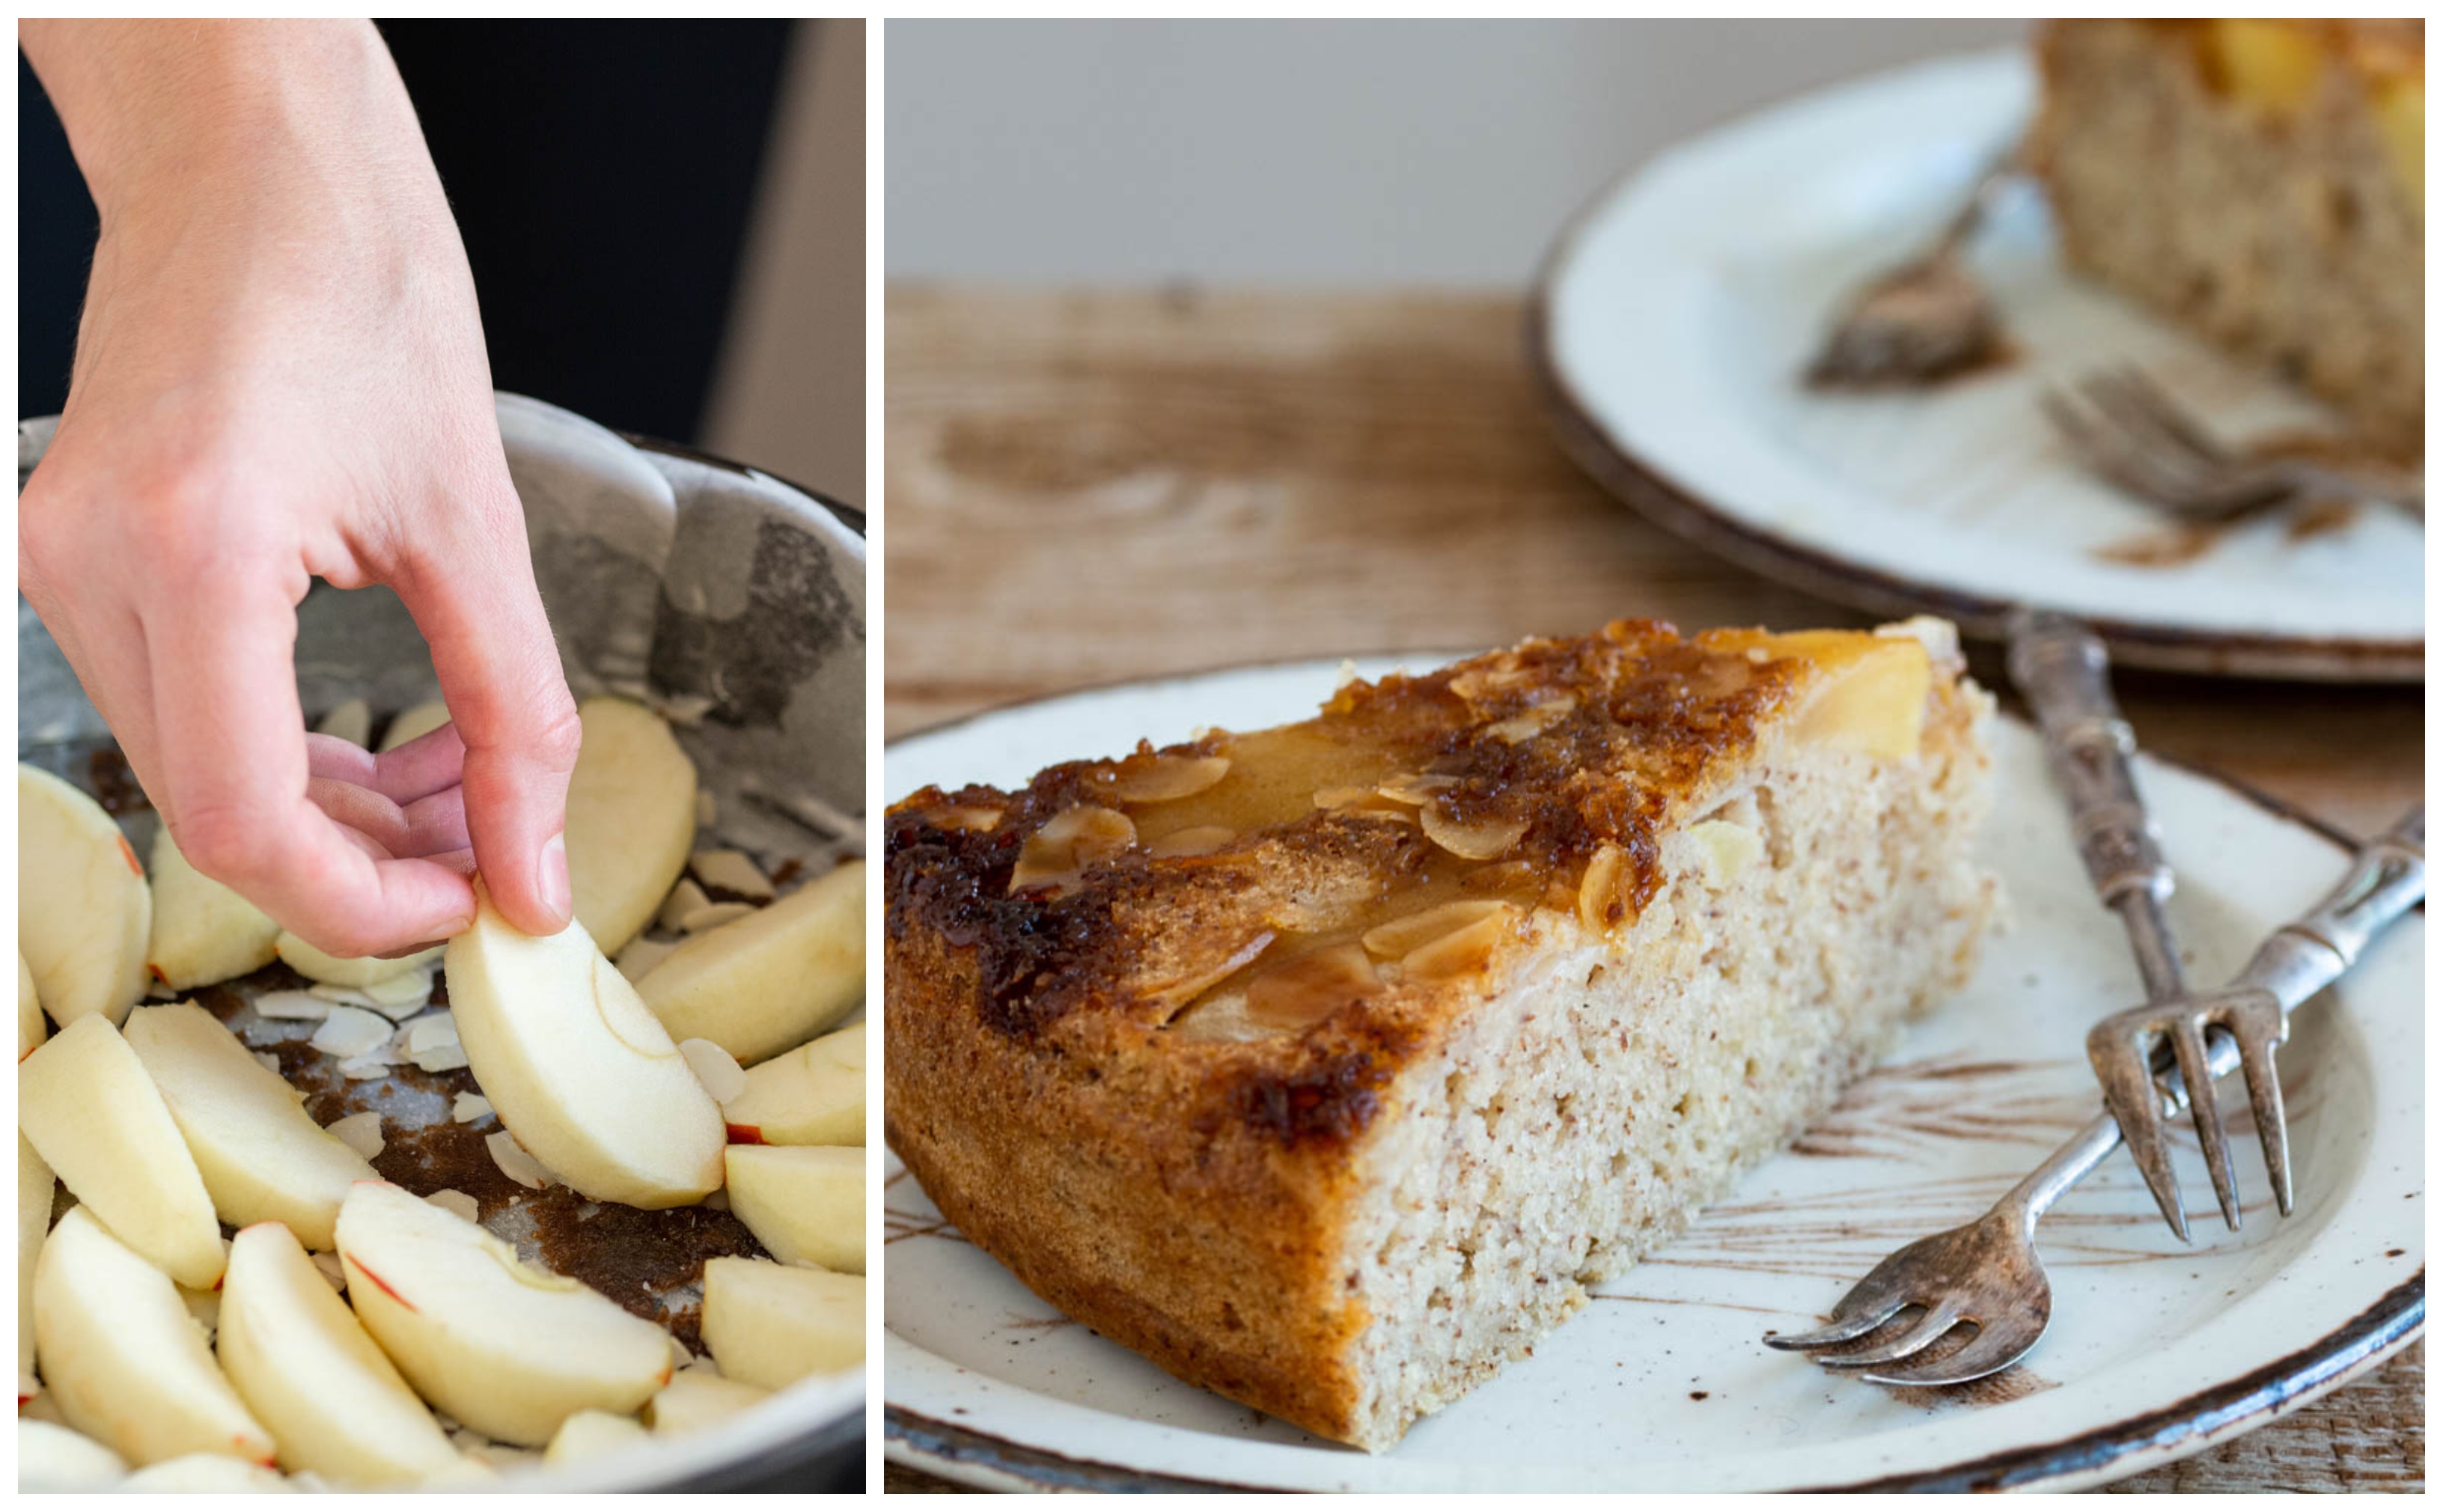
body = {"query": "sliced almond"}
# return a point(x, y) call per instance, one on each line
point(1069, 843)
point(967, 818)
point(365, 1068)
point(1186, 989)
point(269, 1063)
point(1397, 937)
point(348, 1033)
point(1535, 720)
point(732, 872)
point(718, 1202)
point(713, 916)
point(1474, 839)
point(469, 1106)
point(451, 1199)
point(432, 1032)
point(1462, 952)
point(715, 1067)
point(441, 1057)
point(515, 1163)
point(1413, 788)
point(297, 1006)
point(1200, 839)
point(403, 994)
point(360, 1132)
point(1162, 778)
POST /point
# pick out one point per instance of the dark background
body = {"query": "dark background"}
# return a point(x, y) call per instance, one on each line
point(603, 173)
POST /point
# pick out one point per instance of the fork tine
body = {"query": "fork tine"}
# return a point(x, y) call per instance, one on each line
point(1937, 1321)
point(2168, 415)
point(2169, 446)
point(2100, 442)
point(2120, 1061)
point(2265, 1104)
point(2188, 1048)
point(1994, 1349)
point(1846, 1325)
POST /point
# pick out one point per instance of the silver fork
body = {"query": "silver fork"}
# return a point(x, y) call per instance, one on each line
point(1924, 320)
point(1986, 1272)
point(2124, 426)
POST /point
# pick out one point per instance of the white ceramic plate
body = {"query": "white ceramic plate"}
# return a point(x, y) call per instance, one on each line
point(2156, 1350)
point(1676, 314)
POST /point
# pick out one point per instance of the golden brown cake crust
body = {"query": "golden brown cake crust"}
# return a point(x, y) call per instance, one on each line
point(1186, 1196)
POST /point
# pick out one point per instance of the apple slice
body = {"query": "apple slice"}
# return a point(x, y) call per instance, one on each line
point(202, 932)
point(124, 1357)
point(813, 1094)
point(699, 1397)
point(262, 1158)
point(30, 1031)
point(805, 1203)
point(508, 1349)
point(591, 1433)
point(51, 1458)
point(205, 1472)
point(311, 1373)
point(35, 1185)
point(316, 964)
point(774, 979)
point(584, 1078)
point(83, 912)
point(631, 819)
point(421, 720)
point(768, 1324)
point(100, 1123)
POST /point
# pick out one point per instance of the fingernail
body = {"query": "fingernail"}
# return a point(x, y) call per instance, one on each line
point(553, 883)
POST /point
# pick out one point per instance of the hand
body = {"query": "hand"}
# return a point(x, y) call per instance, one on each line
point(280, 376)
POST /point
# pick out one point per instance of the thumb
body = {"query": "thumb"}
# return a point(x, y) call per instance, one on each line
point(473, 595)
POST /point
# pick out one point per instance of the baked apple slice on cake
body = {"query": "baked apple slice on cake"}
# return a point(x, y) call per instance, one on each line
point(1329, 1065)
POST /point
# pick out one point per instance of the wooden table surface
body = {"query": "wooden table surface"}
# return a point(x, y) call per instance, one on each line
point(1088, 487)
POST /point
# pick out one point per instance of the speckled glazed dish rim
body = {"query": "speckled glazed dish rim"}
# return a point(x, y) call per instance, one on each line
point(1681, 506)
point(2193, 1422)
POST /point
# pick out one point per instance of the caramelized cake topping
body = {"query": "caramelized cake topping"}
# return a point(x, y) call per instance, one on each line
point(1244, 887)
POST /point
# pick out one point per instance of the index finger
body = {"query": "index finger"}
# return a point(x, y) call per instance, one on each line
point(231, 743)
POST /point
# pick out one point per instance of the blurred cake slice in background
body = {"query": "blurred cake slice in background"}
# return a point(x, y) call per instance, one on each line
point(2261, 181)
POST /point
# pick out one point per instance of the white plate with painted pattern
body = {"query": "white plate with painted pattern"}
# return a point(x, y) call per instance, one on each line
point(1675, 314)
point(1663, 1382)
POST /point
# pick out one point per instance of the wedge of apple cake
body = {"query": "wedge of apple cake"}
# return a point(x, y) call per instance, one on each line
point(2261, 180)
point(1329, 1065)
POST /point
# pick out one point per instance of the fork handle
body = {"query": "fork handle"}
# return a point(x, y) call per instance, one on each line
point(2386, 879)
point(2059, 668)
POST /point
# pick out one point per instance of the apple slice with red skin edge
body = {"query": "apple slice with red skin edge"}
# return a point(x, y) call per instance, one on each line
point(98, 1120)
point(31, 1029)
point(299, 1358)
point(631, 819)
point(769, 1324)
point(803, 1203)
point(577, 1070)
point(123, 1357)
point(85, 913)
point(35, 1186)
point(813, 1094)
point(506, 1349)
point(53, 1457)
point(202, 932)
point(262, 1157)
point(777, 977)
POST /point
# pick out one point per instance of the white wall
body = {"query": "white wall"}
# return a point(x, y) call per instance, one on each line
point(1330, 153)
